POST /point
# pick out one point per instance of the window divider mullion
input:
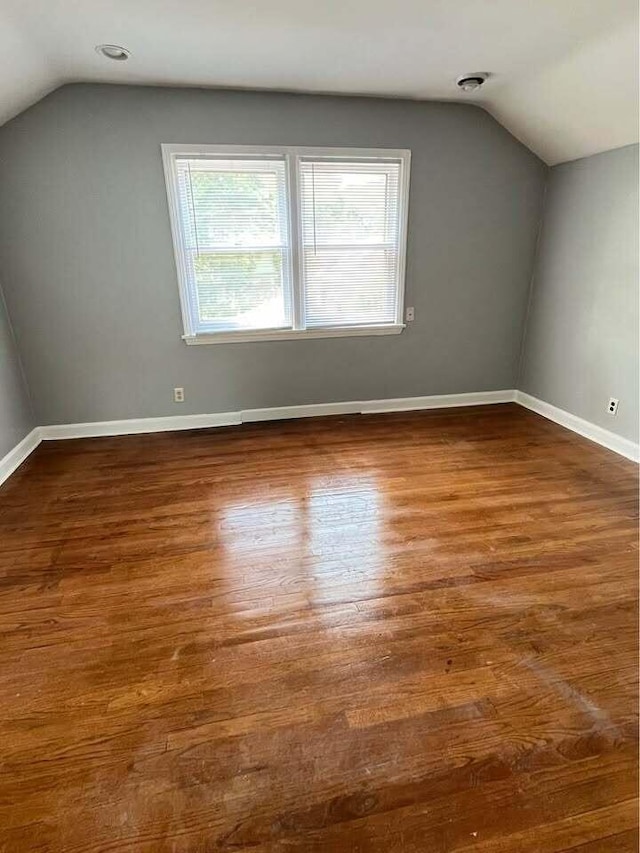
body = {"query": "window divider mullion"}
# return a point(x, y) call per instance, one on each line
point(295, 235)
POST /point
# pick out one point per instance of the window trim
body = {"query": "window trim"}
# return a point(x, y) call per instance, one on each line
point(292, 157)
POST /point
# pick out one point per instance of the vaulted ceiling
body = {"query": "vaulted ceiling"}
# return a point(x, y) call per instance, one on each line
point(564, 73)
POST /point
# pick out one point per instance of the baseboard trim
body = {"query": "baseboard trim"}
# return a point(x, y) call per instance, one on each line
point(437, 401)
point(314, 410)
point(352, 407)
point(14, 458)
point(134, 426)
point(599, 435)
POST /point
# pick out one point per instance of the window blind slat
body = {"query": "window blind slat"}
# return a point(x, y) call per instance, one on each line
point(234, 224)
point(350, 241)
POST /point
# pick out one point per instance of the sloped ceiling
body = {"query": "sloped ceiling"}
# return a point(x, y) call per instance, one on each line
point(564, 73)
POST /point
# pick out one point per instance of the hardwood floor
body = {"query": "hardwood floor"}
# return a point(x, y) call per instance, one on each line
point(411, 632)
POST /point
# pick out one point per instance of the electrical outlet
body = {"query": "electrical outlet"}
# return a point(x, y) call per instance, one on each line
point(410, 315)
point(612, 408)
point(178, 395)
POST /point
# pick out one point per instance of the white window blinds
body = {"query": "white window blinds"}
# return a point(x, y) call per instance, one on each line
point(350, 242)
point(234, 224)
point(287, 242)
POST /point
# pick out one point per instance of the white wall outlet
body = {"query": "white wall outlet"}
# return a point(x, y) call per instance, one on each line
point(612, 408)
point(178, 395)
point(410, 315)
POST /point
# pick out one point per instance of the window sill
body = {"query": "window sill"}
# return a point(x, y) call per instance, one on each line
point(291, 334)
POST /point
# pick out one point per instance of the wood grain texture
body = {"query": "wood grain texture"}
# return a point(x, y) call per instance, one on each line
point(412, 632)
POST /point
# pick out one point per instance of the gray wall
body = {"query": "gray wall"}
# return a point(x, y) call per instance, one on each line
point(91, 282)
point(581, 344)
point(16, 417)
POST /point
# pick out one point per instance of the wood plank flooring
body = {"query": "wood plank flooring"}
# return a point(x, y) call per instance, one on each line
point(412, 632)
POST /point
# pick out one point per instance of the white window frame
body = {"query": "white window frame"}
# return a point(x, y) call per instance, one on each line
point(291, 155)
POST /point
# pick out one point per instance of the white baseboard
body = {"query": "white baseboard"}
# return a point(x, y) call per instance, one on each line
point(437, 401)
point(14, 458)
point(134, 426)
point(166, 424)
point(610, 440)
point(602, 436)
point(314, 410)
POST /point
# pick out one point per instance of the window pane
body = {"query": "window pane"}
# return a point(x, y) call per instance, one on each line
point(241, 289)
point(350, 234)
point(350, 286)
point(235, 227)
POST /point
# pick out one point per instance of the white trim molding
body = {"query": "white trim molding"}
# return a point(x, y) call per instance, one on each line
point(600, 435)
point(437, 401)
point(292, 334)
point(133, 426)
point(313, 410)
point(14, 458)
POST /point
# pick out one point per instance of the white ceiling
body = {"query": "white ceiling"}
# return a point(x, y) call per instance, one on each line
point(564, 73)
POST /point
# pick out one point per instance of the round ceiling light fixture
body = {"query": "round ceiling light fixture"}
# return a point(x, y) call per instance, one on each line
point(113, 51)
point(471, 82)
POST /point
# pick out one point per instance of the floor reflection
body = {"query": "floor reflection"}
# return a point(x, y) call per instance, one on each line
point(345, 542)
point(324, 544)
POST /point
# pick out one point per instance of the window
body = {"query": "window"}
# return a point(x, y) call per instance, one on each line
point(287, 242)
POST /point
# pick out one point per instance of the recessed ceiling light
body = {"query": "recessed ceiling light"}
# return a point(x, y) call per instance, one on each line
point(113, 51)
point(471, 82)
